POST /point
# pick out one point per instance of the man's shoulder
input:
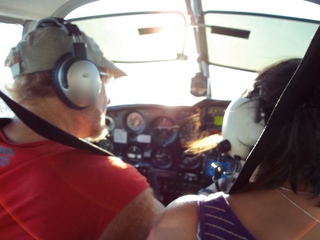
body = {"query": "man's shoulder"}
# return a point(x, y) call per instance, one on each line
point(87, 158)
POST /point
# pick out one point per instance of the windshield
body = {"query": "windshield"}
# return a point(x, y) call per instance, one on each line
point(154, 43)
point(159, 64)
point(13, 36)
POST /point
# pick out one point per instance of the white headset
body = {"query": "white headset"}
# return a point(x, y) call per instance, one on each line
point(240, 127)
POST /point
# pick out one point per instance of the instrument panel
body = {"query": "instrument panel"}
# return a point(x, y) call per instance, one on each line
point(153, 137)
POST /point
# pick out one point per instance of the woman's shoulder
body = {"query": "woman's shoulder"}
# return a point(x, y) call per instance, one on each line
point(180, 218)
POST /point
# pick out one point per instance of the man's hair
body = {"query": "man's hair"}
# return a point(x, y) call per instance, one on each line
point(28, 86)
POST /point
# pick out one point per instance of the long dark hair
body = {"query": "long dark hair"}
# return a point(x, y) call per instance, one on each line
point(270, 83)
point(294, 156)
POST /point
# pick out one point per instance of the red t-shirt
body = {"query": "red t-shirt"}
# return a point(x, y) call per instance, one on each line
point(51, 191)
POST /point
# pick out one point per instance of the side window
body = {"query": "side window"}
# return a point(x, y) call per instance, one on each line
point(13, 34)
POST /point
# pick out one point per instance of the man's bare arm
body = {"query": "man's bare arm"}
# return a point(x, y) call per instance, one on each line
point(136, 219)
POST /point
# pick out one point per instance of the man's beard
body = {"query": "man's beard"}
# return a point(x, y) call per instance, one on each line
point(100, 132)
point(102, 136)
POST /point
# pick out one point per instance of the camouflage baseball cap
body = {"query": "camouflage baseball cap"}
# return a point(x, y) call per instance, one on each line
point(41, 48)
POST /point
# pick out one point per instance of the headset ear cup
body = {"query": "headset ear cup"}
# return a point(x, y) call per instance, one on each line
point(76, 81)
point(240, 128)
point(60, 81)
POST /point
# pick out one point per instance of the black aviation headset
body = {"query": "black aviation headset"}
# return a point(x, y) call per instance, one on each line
point(76, 79)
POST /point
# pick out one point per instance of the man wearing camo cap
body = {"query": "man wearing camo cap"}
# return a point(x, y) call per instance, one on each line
point(49, 190)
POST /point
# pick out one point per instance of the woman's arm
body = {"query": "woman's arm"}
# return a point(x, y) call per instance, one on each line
point(179, 220)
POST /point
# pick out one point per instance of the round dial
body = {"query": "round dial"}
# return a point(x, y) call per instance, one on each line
point(110, 123)
point(135, 122)
point(134, 154)
point(162, 158)
point(164, 130)
point(190, 161)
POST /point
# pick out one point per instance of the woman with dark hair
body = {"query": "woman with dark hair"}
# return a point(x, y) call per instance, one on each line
point(267, 88)
point(279, 199)
point(245, 119)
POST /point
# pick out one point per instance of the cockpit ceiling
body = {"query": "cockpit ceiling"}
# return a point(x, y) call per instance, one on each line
point(18, 10)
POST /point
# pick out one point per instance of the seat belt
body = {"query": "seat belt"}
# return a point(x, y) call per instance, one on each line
point(48, 130)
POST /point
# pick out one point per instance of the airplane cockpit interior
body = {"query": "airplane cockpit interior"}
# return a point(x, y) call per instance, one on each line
point(185, 61)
